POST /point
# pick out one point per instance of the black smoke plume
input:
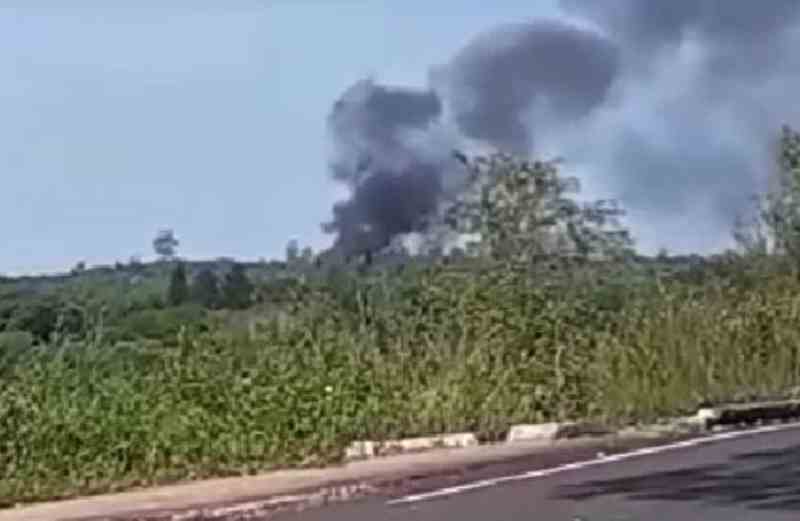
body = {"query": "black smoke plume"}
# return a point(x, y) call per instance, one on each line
point(668, 106)
point(394, 183)
point(705, 88)
point(494, 82)
point(393, 146)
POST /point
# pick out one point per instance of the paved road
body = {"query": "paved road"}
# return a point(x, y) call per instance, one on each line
point(744, 479)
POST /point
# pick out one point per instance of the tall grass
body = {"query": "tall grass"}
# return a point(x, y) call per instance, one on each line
point(442, 351)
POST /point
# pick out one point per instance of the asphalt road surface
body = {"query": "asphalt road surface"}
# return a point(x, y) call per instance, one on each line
point(751, 478)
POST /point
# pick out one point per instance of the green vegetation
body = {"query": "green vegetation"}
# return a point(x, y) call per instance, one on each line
point(178, 292)
point(140, 374)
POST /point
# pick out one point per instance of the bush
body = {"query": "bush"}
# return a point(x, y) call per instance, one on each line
point(449, 348)
point(15, 340)
point(158, 324)
point(13, 346)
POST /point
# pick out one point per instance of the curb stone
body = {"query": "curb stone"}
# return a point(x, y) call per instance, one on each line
point(371, 449)
point(725, 417)
point(553, 431)
point(709, 418)
point(256, 509)
point(749, 414)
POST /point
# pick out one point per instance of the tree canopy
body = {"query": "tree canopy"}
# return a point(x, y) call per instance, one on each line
point(520, 210)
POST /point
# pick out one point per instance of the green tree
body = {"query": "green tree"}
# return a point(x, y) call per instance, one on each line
point(36, 316)
point(206, 290)
point(520, 211)
point(79, 268)
point(165, 244)
point(178, 291)
point(159, 324)
point(292, 252)
point(307, 255)
point(774, 226)
point(237, 289)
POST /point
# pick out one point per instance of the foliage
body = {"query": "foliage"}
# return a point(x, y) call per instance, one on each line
point(520, 210)
point(292, 251)
point(393, 354)
point(38, 317)
point(16, 341)
point(178, 291)
point(13, 346)
point(79, 268)
point(157, 324)
point(237, 289)
point(165, 244)
point(775, 228)
point(205, 289)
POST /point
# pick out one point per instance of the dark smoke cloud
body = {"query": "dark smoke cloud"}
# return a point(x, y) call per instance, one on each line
point(669, 106)
point(370, 125)
point(495, 80)
point(385, 205)
point(693, 145)
point(742, 38)
point(724, 22)
point(393, 146)
point(394, 182)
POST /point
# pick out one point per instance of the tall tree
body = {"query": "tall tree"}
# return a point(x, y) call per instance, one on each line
point(79, 268)
point(775, 225)
point(38, 316)
point(307, 255)
point(165, 244)
point(206, 290)
point(237, 290)
point(292, 252)
point(178, 290)
point(520, 211)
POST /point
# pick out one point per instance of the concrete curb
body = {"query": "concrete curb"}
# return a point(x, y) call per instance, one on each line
point(706, 418)
point(371, 449)
point(749, 414)
point(258, 509)
point(554, 431)
point(726, 417)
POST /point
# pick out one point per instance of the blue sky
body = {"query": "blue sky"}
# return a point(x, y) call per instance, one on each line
point(119, 121)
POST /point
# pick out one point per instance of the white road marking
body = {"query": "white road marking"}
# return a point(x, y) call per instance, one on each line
point(535, 474)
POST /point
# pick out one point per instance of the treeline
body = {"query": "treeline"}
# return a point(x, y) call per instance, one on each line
point(232, 291)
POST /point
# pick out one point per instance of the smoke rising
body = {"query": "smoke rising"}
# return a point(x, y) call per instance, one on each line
point(393, 146)
point(706, 84)
point(370, 125)
point(668, 106)
point(394, 182)
point(493, 82)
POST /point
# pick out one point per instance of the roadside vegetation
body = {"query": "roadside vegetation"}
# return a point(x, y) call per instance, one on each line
point(149, 373)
